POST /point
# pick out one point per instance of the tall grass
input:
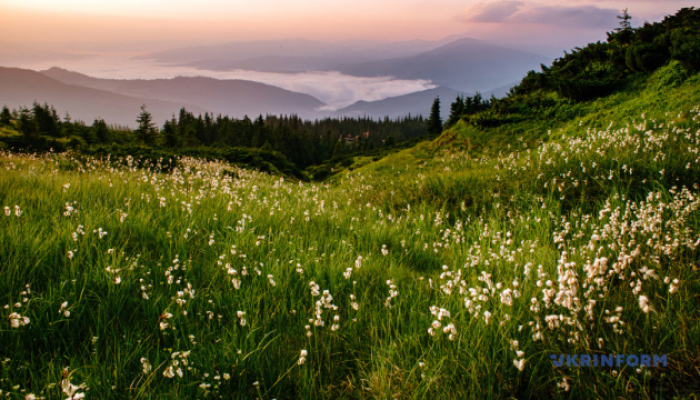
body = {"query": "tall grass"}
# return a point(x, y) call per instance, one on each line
point(410, 278)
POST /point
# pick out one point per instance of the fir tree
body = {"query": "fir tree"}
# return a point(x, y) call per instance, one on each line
point(625, 24)
point(46, 120)
point(5, 116)
point(435, 122)
point(170, 136)
point(456, 111)
point(146, 132)
point(99, 130)
point(67, 126)
point(27, 126)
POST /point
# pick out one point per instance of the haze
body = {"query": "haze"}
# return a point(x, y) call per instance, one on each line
point(104, 39)
point(534, 25)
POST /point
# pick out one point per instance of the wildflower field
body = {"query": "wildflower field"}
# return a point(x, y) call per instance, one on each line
point(454, 269)
point(449, 276)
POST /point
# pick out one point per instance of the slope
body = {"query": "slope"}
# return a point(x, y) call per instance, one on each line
point(668, 97)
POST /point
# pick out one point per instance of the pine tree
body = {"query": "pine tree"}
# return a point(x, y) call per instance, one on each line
point(67, 126)
point(146, 132)
point(435, 122)
point(456, 111)
point(46, 120)
point(625, 24)
point(5, 116)
point(99, 130)
point(27, 126)
point(170, 136)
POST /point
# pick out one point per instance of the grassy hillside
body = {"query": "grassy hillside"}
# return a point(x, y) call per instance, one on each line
point(666, 97)
point(453, 269)
point(464, 267)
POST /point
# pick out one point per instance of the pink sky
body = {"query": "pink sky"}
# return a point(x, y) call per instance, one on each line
point(544, 21)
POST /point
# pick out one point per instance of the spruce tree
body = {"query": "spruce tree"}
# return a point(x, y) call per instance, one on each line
point(5, 116)
point(456, 111)
point(27, 126)
point(67, 126)
point(435, 122)
point(170, 136)
point(46, 120)
point(625, 18)
point(146, 132)
point(99, 130)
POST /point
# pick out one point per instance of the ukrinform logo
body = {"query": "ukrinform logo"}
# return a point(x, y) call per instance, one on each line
point(608, 360)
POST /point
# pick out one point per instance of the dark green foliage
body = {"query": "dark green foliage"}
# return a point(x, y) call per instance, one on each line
point(435, 121)
point(646, 57)
point(286, 144)
point(476, 104)
point(170, 134)
point(67, 128)
point(685, 47)
point(27, 126)
point(99, 130)
point(456, 111)
point(587, 87)
point(146, 132)
point(5, 116)
point(46, 119)
point(390, 141)
point(603, 67)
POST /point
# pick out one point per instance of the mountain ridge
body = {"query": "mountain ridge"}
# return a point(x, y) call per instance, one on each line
point(416, 103)
point(23, 87)
point(464, 64)
point(233, 97)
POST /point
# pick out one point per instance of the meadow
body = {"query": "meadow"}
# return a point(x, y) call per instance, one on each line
point(436, 272)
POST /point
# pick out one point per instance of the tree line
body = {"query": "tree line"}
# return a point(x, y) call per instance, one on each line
point(303, 142)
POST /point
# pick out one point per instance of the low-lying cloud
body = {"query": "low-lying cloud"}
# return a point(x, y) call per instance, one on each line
point(333, 88)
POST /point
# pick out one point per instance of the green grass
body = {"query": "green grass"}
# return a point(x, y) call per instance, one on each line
point(475, 223)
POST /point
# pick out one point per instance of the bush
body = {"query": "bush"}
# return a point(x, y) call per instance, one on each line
point(646, 57)
point(685, 47)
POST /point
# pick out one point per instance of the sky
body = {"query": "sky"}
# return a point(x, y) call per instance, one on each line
point(100, 38)
point(214, 21)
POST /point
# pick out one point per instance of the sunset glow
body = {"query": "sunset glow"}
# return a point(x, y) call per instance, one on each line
point(216, 20)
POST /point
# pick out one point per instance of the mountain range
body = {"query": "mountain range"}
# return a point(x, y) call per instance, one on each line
point(417, 103)
point(464, 64)
point(455, 66)
point(22, 87)
point(118, 101)
point(233, 97)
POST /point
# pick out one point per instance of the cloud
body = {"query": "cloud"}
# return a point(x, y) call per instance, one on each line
point(587, 17)
point(336, 90)
point(527, 12)
point(492, 12)
point(333, 88)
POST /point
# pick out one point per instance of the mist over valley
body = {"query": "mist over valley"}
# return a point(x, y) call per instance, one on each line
point(311, 79)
